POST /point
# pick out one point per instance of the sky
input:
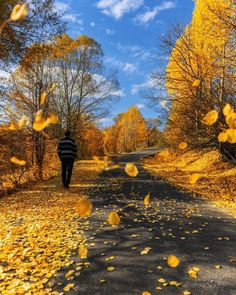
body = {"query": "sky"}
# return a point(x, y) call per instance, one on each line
point(129, 32)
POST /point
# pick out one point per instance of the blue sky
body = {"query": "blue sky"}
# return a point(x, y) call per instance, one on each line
point(129, 32)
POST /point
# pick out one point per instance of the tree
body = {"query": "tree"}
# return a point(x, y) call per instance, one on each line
point(200, 74)
point(128, 133)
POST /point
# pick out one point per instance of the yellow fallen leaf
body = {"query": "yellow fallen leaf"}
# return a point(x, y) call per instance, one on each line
point(175, 283)
point(110, 268)
point(146, 250)
point(223, 137)
point(161, 280)
point(231, 133)
point(228, 110)
point(68, 287)
point(84, 208)
point(187, 293)
point(146, 293)
point(113, 218)
point(218, 266)
point(70, 273)
point(173, 261)
point(16, 161)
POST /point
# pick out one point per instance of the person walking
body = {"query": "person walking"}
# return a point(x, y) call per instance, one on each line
point(67, 152)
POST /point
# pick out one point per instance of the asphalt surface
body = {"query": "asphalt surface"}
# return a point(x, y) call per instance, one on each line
point(176, 223)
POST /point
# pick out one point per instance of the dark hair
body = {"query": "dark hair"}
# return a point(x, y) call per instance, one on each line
point(67, 133)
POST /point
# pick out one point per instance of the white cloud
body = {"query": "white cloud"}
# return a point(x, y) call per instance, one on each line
point(126, 67)
point(137, 87)
point(117, 8)
point(61, 6)
point(140, 106)
point(136, 52)
point(150, 15)
point(92, 24)
point(118, 93)
point(110, 32)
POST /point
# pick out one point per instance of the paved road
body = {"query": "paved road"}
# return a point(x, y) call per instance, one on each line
point(176, 223)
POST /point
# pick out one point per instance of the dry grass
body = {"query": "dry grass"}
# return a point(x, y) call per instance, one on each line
point(217, 179)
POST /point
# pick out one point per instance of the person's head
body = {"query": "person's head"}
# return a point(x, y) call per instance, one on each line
point(67, 133)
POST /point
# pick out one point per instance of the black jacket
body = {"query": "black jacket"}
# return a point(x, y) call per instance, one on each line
point(67, 149)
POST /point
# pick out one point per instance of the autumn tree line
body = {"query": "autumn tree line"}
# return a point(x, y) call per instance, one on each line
point(199, 79)
point(50, 83)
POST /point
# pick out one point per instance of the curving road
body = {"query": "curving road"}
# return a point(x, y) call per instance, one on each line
point(175, 223)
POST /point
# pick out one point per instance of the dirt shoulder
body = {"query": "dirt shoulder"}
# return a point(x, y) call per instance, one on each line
point(201, 172)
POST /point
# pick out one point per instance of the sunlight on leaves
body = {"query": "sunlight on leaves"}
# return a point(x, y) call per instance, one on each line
point(193, 179)
point(196, 83)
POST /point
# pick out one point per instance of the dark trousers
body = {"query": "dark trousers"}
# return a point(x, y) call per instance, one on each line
point(67, 167)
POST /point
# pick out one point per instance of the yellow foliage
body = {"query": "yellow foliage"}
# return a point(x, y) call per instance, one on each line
point(84, 208)
point(231, 133)
point(146, 293)
point(228, 110)
point(194, 178)
point(43, 97)
point(113, 219)
point(196, 83)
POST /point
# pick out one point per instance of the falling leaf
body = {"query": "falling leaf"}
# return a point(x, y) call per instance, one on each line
point(84, 208)
point(210, 118)
point(228, 110)
point(16, 161)
point(131, 169)
point(173, 261)
point(146, 250)
point(52, 87)
point(43, 98)
point(194, 178)
point(223, 137)
point(231, 133)
point(110, 268)
point(196, 83)
point(19, 12)
point(83, 251)
point(110, 258)
point(113, 218)
point(146, 200)
point(183, 145)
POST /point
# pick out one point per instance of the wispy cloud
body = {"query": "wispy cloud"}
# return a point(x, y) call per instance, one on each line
point(117, 8)
point(150, 15)
point(136, 52)
point(110, 32)
point(61, 6)
point(68, 16)
point(145, 85)
point(140, 106)
point(126, 67)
